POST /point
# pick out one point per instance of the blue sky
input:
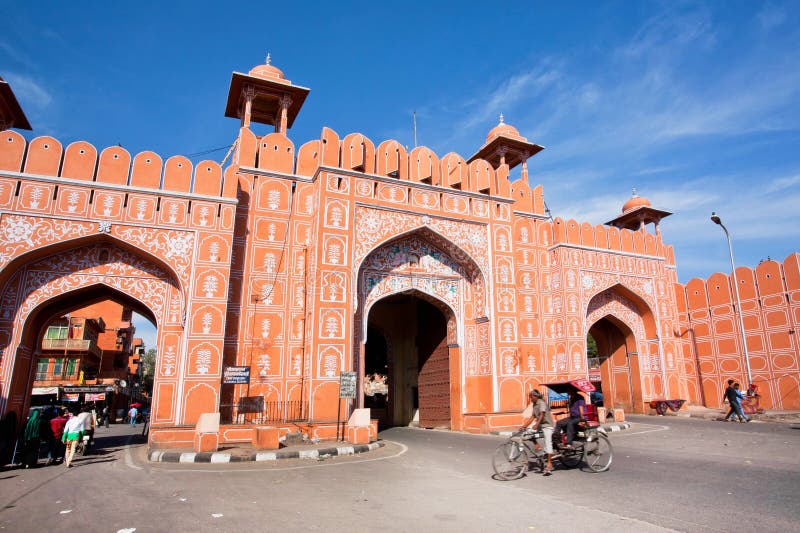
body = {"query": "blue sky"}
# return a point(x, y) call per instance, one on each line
point(696, 104)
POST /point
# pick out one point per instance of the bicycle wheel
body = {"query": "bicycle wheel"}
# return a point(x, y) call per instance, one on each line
point(510, 460)
point(598, 453)
point(572, 458)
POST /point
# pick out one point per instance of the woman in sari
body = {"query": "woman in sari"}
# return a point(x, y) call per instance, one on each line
point(32, 439)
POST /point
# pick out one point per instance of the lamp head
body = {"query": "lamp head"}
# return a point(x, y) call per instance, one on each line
point(715, 219)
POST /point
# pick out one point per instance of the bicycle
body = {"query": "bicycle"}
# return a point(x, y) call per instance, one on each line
point(514, 457)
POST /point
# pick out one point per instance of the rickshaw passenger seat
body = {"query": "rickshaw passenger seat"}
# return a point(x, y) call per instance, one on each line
point(591, 413)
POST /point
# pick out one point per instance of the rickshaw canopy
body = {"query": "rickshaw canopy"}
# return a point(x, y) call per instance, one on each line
point(583, 385)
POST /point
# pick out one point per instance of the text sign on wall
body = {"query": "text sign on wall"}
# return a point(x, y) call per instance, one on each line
point(235, 375)
point(347, 385)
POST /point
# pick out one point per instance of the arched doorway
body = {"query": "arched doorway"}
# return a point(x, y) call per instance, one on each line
point(407, 349)
point(629, 361)
point(44, 291)
point(428, 267)
point(616, 365)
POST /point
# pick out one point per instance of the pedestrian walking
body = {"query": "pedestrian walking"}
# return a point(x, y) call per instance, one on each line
point(73, 432)
point(57, 427)
point(132, 414)
point(735, 396)
point(32, 439)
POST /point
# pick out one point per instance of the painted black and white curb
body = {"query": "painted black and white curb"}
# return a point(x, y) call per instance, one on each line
point(608, 428)
point(161, 456)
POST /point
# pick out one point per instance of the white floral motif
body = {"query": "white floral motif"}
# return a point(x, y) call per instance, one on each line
point(179, 245)
point(141, 206)
point(36, 195)
point(336, 216)
point(168, 361)
point(334, 253)
point(204, 213)
point(330, 365)
point(72, 201)
point(108, 204)
point(273, 199)
point(18, 230)
point(203, 361)
point(210, 285)
point(104, 226)
point(206, 321)
point(331, 326)
point(213, 250)
point(265, 327)
point(270, 263)
point(264, 363)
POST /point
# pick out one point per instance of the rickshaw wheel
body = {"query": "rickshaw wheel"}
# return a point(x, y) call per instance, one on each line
point(598, 453)
point(510, 460)
point(572, 458)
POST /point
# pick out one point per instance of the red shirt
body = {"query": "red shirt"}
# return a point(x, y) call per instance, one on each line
point(57, 425)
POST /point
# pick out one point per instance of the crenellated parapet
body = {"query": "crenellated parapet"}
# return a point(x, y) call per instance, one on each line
point(356, 152)
point(639, 242)
point(113, 166)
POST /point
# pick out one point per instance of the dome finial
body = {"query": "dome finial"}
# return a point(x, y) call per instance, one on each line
point(633, 193)
point(501, 119)
point(269, 60)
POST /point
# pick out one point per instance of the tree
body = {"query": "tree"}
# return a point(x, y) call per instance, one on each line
point(591, 347)
point(148, 362)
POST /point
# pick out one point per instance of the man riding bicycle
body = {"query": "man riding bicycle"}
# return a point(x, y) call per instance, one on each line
point(539, 418)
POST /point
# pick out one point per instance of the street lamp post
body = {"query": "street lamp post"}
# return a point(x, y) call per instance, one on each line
point(716, 220)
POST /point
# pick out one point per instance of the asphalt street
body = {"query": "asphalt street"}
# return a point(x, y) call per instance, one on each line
point(668, 473)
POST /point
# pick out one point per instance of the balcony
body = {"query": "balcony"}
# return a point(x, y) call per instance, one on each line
point(47, 379)
point(72, 345)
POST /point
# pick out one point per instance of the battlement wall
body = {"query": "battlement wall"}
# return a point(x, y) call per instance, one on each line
point(572, 232)
point(712, 340)
point(45, 156)
point(391, 159)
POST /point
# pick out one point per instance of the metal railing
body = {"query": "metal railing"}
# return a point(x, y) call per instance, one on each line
point(61, 376)
point(260, 412)
point(84, 345)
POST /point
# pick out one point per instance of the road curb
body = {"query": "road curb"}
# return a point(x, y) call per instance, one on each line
point(609, 428)
point(165, 456)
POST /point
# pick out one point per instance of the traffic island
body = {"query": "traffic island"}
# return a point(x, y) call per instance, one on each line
point(245, 455)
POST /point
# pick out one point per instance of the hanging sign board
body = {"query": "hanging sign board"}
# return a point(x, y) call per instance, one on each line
point(347, 385)
point(236, 375)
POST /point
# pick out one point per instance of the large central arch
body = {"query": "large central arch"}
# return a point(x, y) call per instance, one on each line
point(428, 266)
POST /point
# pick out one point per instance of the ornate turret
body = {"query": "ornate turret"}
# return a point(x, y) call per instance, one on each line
point(637, 212)
point(11, 114)
point(265, 96)
point(505, 146)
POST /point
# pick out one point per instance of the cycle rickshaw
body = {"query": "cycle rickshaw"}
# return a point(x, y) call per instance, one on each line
point(514, 457)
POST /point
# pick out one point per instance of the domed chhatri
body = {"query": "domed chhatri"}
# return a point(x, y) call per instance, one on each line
point(267, 71)
point(635, 201)
point(505, 130)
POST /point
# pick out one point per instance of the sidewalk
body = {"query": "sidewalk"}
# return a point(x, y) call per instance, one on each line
point(707, 413)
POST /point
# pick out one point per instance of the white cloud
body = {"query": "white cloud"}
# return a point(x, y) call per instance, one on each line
point(29, 92)
point(771, 17)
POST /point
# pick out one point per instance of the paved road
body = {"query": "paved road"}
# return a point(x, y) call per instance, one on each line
point(668, 473)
